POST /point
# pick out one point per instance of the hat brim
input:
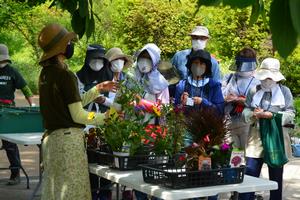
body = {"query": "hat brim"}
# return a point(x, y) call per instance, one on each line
point(244, 67)
point(60, 47)
point(199, 34)
point(169, 72)
point(4, 58)
point(263, 74)
point(128, 60)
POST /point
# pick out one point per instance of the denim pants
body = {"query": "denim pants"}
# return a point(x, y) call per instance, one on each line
point(13, 155)
point(253, 168)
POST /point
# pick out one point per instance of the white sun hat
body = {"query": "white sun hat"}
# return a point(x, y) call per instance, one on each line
point(269, 68)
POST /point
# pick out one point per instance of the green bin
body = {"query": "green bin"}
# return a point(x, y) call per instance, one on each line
point(20, 120)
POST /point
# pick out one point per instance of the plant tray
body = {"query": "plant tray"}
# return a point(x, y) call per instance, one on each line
point(169, 176)
point(124, 163)
point(20, 120)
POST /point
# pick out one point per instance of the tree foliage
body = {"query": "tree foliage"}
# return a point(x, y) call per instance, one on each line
point(133, 23)
point(284, 19)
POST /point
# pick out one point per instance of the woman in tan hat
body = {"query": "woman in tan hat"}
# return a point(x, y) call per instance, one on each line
point(265, 103)
point(64, 158)
point(118, 62)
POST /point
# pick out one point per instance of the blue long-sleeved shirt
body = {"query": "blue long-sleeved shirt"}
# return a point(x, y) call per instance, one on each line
point(179, 60)
point(210, 93)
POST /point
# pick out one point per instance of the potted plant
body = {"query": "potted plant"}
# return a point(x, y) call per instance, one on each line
point(124, 135)
point(166, 140)
point(208, 131)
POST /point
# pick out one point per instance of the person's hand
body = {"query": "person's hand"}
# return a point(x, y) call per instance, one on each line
point(184, 97)
point(197, 100)
point(261, 114)
point(266, 115)
point(257, 112)
point(100, 99)
point(241, 100)
point(107, 86)
point(231, 97)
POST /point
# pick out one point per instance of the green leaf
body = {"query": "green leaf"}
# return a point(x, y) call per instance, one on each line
point(295, 14)
point(91, 4)
point(284, 35)
point(239, 3)
point(255, 12)
point(53, 3)
point(263, 13)
point(83, 8)
point(78, 23)
point(90, 26)
point(70, 5)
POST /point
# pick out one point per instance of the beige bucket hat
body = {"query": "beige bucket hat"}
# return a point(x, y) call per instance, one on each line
point(53, 39)
point(4, 55)
point(116, 53)
point(269, 68)
point(200, 31)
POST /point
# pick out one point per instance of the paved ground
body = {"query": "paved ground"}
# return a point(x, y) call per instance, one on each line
point(29, 156)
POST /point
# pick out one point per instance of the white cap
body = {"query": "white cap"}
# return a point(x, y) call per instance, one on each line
point(200, 31)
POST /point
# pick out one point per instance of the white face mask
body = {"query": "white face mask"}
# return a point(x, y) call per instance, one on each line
point(144, 65)
point(197, 71)
point(198, 44)
point(117, 65)
point(96, 64)
point(245, 74)
point(267, 84)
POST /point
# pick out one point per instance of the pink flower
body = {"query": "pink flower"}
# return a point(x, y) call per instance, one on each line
point(195, 145)
point(225, 147)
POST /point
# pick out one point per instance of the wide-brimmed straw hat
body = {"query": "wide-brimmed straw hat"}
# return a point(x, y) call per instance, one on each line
point(116, 53)
point(53, 39)
point(269, 68)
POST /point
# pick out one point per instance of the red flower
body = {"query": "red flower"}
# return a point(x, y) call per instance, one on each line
point(153, 131)
point(206, 138)
point(181, 158)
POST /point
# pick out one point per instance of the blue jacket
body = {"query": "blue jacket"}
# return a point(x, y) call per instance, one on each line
point(179, 60)
point(210, 93)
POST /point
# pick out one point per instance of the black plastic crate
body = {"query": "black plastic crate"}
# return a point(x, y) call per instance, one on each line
point(134, 162)
point(178, 178)
point(124, 163)
point(99, 157)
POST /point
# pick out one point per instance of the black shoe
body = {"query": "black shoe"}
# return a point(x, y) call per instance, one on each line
point(14, 180)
